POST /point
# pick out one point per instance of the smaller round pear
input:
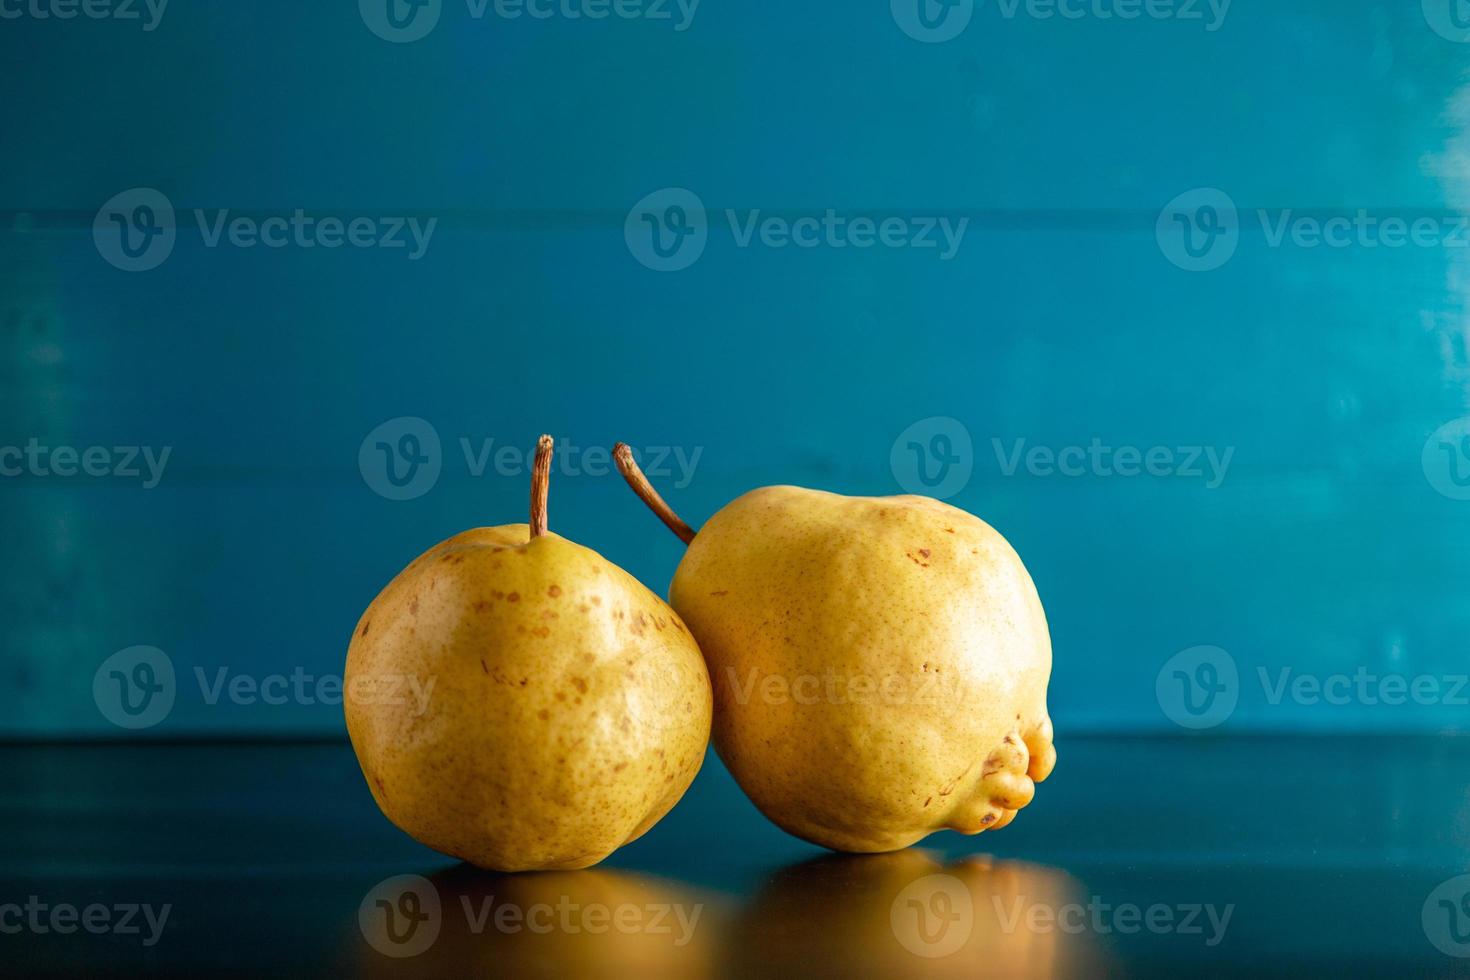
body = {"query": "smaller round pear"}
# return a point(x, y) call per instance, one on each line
point(519, 702)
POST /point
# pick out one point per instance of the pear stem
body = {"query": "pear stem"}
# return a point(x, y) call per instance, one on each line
point(628, 466)
point(540, 486)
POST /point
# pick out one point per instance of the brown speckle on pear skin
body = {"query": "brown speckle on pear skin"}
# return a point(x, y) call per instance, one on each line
point(562, 816)
point(816, 582)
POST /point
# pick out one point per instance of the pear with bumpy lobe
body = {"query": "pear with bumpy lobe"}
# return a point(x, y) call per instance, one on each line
point(567, 709)
point(879, 664)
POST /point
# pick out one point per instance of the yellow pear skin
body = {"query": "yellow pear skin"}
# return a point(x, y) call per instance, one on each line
point(570, 706)
point(879, 664)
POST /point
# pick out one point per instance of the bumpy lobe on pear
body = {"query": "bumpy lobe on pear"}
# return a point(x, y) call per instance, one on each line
point(879, 664)
point(570, 706)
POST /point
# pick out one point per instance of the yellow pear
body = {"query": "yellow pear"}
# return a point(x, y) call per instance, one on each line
point(879, 664)
point(561, 707)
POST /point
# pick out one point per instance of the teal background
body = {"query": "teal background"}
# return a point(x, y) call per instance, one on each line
point(1327, 547)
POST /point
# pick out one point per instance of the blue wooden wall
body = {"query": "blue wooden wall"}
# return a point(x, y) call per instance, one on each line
point(1137, 267)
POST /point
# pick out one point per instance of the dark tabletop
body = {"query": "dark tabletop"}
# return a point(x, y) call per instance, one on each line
point(1167, 856)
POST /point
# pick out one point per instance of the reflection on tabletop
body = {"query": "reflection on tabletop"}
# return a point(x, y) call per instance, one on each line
point(900, 914)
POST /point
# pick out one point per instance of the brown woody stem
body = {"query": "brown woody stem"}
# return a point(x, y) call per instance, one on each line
point(540, 486)
point(628, 466)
